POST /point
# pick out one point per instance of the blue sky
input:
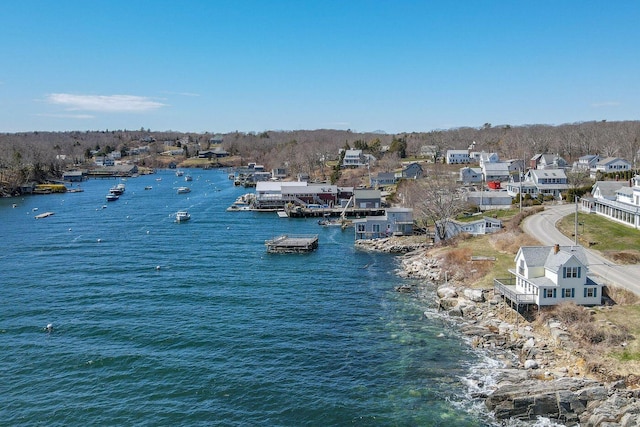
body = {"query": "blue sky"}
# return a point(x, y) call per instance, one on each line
point(396, 66)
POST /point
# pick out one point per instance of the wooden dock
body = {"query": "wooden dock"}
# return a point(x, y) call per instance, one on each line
point(292, 244)
point(43, 215)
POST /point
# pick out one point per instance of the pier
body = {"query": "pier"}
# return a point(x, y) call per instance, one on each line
point(292, 244)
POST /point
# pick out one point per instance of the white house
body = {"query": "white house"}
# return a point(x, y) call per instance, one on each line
point(484, 225)
point(395, 222)
point(586, 163)
point(547, 161)
point(458, 156)
point(484, 158)
point(489, 200)
point(496, 171)
point(549, 275)
point(356, 159)
point(610, 165)
point(616, 201)
point(548, 182)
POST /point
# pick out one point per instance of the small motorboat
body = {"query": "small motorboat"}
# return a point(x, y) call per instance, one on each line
point(183, 190)
point(182, 216)
point(112, 197)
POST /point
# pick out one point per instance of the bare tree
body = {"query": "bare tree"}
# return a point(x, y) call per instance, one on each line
point(435, 201)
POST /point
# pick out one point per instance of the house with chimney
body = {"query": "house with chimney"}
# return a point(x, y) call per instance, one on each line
point(550, 275)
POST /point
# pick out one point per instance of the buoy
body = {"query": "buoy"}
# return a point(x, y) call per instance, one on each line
point(147, 231)
point(69, 229)
point(49, 327)
point(157, 267)
point(99, 240)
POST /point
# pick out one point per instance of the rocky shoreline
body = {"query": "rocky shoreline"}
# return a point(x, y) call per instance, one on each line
point(541, 376)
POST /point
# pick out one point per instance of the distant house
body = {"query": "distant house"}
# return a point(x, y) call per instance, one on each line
point(355, 159)
point(469, 175)
point(586, 163)
point(279, 173)
point(430, 152)
point(74, 176)
point(495, 171)
point(383, 178)
point(547, 161)
point(549, 275)
point(546, 182)
point(484, 225)
point(488, 200)
point(395, 222)
point(412, 171)
point(367, 199)
point(217, 152)
point(484, 158)
point(458, 157)
point(104, 161)
point(610, 165)
point(216, 139)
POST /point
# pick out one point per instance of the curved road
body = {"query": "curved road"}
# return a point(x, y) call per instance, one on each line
point(542, 226)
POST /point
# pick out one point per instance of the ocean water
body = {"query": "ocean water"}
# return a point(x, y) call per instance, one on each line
point(160, 323)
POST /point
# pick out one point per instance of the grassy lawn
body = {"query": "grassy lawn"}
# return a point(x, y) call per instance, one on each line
point(599, 233)
point(628, 315)
point(501, 214)
point(481, 246)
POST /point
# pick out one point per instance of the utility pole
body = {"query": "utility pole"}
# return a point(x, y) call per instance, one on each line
point(575, 234)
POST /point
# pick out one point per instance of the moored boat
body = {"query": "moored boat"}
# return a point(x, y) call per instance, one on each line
point(112, 197)
point(183, 190)
point(182, 216)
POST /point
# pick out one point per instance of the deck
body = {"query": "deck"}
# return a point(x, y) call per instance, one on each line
point(292, 243)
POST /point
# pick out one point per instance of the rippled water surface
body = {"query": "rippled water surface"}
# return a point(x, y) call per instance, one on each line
point(159, 323)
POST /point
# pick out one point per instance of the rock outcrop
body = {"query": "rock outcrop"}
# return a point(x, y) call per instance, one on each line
point(541, 377)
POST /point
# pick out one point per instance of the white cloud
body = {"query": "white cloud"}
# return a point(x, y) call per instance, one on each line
point(105, 103)
point(605, 104)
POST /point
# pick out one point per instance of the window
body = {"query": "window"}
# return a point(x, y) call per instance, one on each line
point(590, 292)
point(521, 267)
point(361, 227)
point(549, 293)
point(376, 228)
point(568, 293)
point(568, 272)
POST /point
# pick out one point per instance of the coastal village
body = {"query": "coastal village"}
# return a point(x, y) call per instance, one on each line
point(428, 208)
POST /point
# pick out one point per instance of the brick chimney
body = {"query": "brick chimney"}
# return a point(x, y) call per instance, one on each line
point(556, 248)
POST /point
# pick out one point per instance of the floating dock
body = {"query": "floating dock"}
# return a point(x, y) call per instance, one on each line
point(292, 244)
point(43, 215)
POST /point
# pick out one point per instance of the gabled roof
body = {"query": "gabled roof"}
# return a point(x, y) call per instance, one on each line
point(547, 257)
point(502, 167)
point(608, 188)
point(609, 160)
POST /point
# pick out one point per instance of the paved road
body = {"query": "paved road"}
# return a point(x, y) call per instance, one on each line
point(542, 226)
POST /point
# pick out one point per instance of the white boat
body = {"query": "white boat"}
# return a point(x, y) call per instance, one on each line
point(188, 178)
point(183, 190)
point(148, 187)
point(282, 214)
point(117, 190)
point(179, 173)
point(112, 197)
point(235, 207)
point(182, 216)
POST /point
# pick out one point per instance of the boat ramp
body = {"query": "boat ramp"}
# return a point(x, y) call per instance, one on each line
point(289, 243)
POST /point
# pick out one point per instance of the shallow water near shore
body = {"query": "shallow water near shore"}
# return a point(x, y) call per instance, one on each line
point(159, 323)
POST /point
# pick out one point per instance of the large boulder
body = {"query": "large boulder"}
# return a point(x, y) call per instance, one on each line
point(475, 295)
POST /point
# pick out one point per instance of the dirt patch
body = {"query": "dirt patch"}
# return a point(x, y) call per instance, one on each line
point(627, 257)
